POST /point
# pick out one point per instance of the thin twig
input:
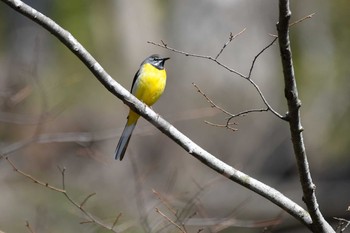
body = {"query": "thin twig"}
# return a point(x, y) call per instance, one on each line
point(163, 45)
point(343, 224)
point(86, 222)
point(86, 199)
point(243, 113)
point(231, 38)
point(33, 179)
point(227, 125)
point(231, 115)
point(223, 47)
point(164, 202)
point(301, 20)
point(191, 204)
point(171, 221)
point(62, 170)
point(265, 101)
point(116, 220)
point(256, 57)
point(213, 105)
point(29, 227)
point(274, 40)
point(91, 218)
point(168, 206)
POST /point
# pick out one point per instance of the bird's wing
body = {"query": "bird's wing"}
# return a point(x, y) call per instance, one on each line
point(135, 78)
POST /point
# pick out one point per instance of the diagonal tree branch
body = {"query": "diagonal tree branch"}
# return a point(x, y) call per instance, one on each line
point(291, 92)
point(186, 143)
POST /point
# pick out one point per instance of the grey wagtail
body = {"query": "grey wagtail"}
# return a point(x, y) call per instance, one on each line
point(148, 85)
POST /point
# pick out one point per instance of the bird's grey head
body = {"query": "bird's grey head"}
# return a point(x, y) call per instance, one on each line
point(156, 61)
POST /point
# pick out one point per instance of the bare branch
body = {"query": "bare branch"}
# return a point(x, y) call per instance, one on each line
point(164, 202)
point(29, 227)
point(265, 101)
point(243, 113)
point(62, 170)
point(302, 19)
point(163, 45)
point(231, 115)
point(171, 221)
point(212, 104)
point(33, 179)
point(90, 217)
point(116, 220)
point(248, 77)
point(256, 57)
point(319, 224)
point(227, 125)
point(86, 199)
point(343, 224)
point(231, 38)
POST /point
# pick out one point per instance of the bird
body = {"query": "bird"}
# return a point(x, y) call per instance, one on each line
point(148, 85)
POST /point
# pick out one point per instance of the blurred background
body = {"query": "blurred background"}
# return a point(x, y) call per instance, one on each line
point(54, 113)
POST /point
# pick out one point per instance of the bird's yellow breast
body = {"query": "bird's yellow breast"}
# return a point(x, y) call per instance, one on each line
point(150, 84)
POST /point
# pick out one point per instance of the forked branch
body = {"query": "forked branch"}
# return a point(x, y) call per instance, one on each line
point(90, 217)
point(319, 224)
point(246, 77)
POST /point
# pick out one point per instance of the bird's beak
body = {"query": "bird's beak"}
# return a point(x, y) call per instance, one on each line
point(166, 58)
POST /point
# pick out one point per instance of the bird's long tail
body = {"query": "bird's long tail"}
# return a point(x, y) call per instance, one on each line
point(124, 140)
